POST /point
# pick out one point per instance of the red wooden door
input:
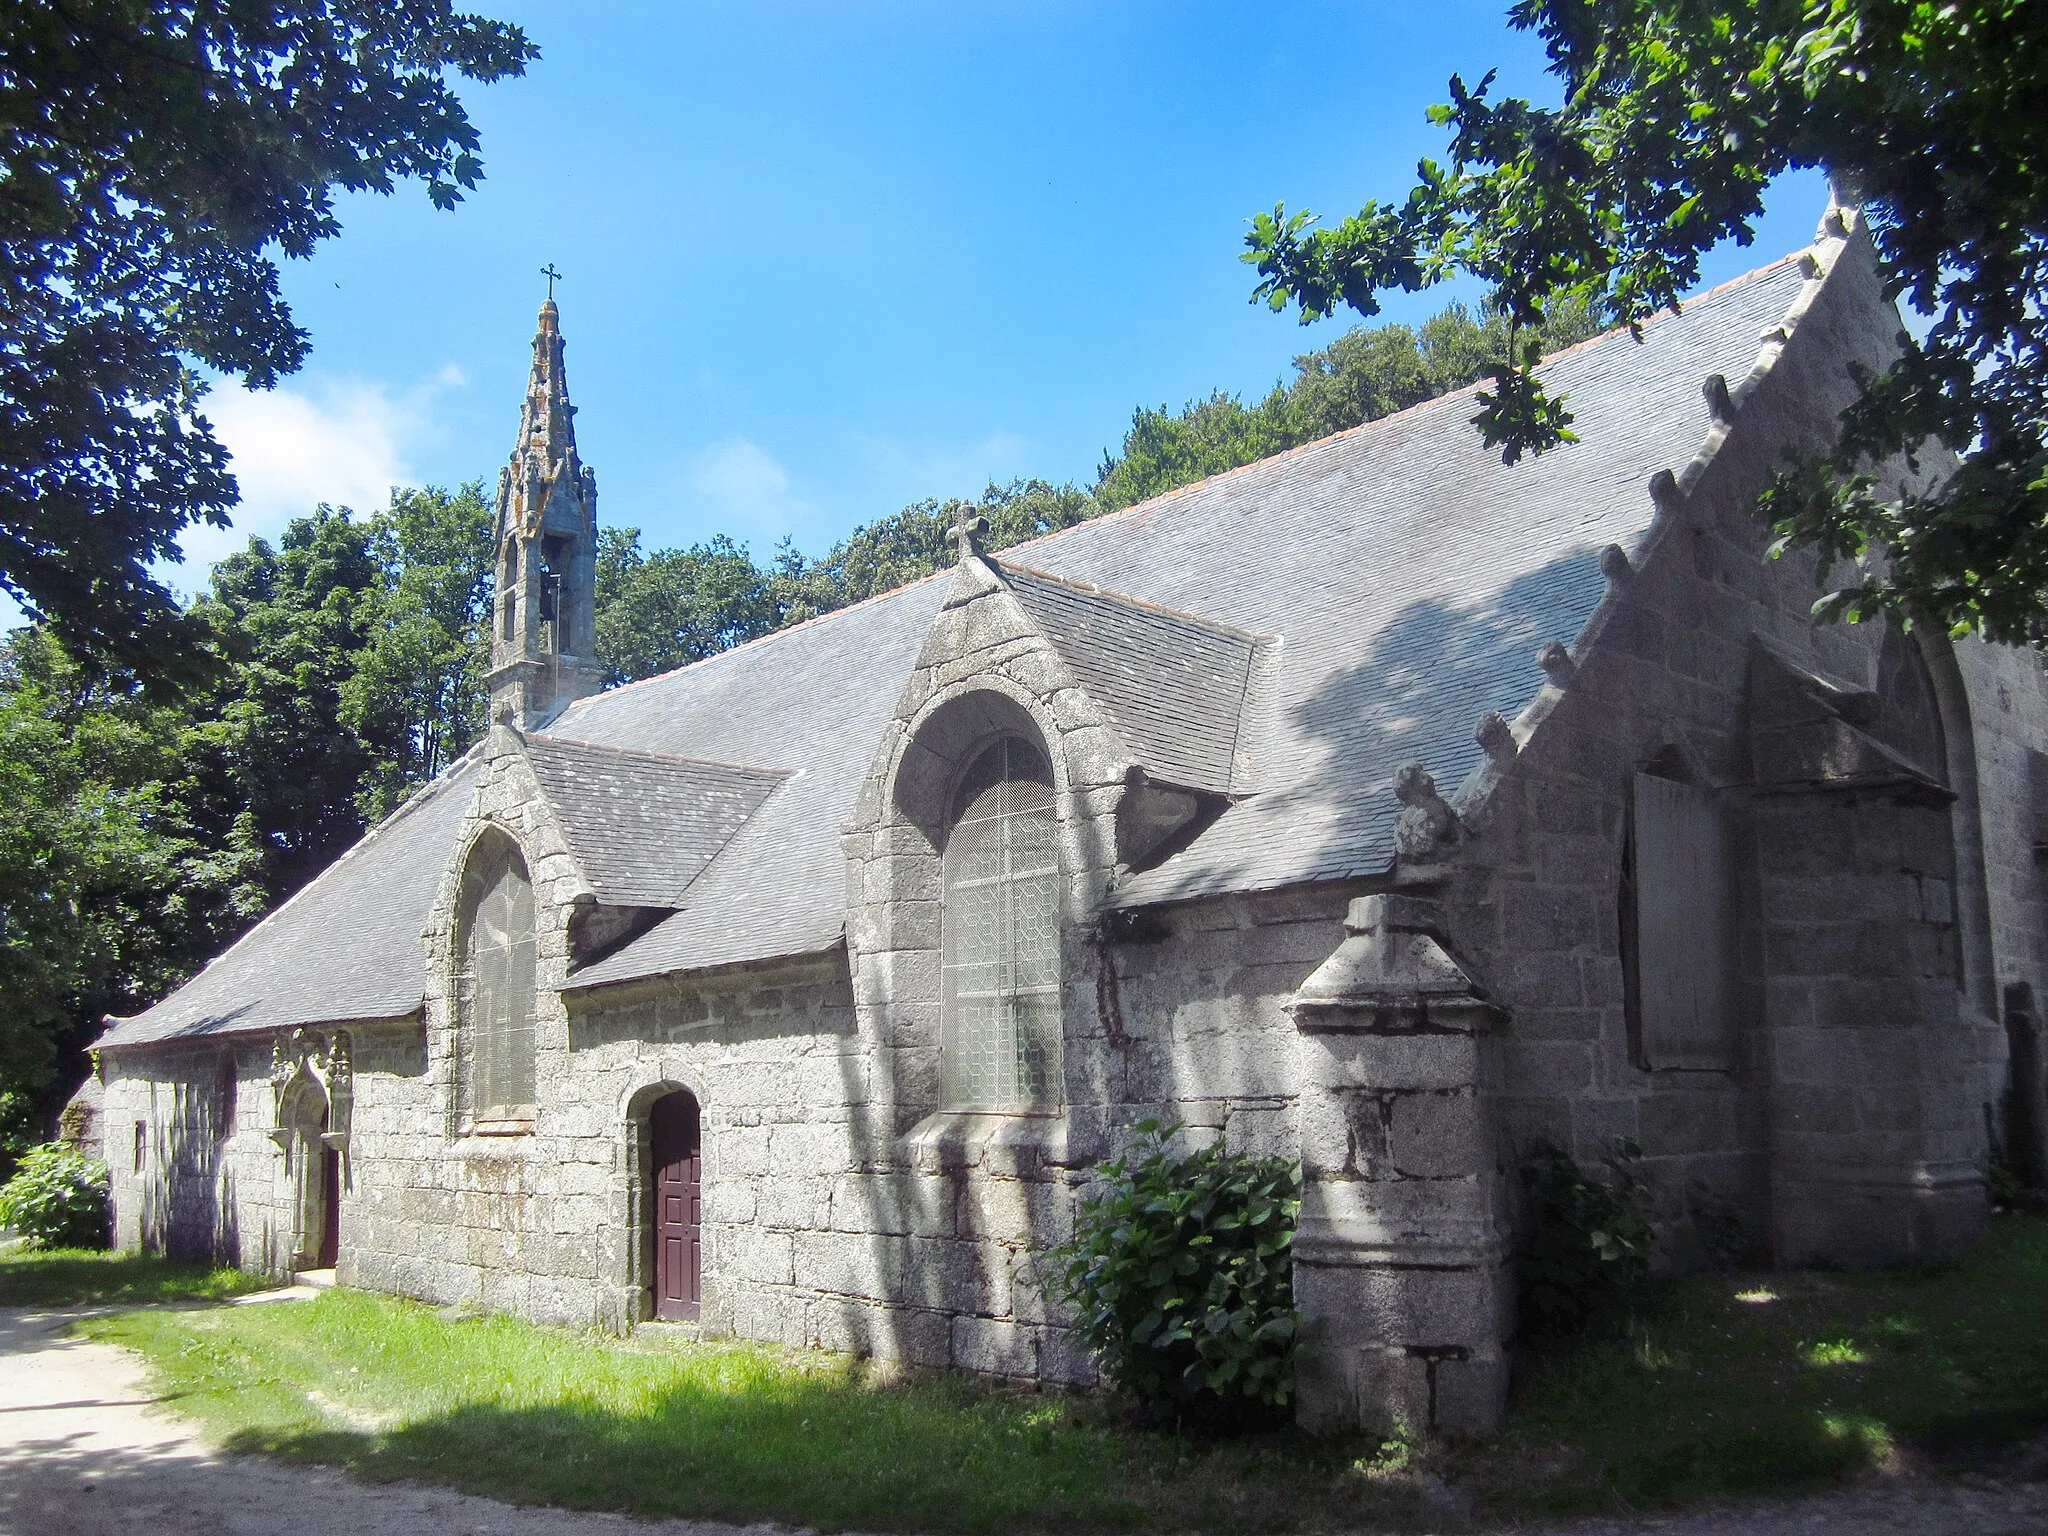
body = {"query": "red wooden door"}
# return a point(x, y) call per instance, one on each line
point(330, 1207)
point(678, 1207)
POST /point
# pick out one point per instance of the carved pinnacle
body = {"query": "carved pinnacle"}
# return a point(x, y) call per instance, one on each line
point(1720, 404)
point(1664, 491)
point(1496, 737)
point(1557, 664)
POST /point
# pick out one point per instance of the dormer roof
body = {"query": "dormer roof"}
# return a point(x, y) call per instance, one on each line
point(642, 826)
point(1176, 686)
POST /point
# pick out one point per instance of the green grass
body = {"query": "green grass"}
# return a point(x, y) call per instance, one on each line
point(83, 1277)
point(1757, 1385)
point(394, 1389)
point(1781, 1382)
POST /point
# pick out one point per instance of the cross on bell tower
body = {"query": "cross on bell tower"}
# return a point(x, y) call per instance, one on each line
point(544, 630)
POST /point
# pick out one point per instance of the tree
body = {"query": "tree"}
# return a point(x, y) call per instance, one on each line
point(1675, 117)
point(140, 835)
point(153, 158)
point(111, 890)
point(415, 694)
point(1367, 373)
point(662, 611)
point(894, 551)
point(273, 750)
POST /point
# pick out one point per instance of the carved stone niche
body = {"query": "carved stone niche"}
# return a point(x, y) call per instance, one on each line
point(311, 1071)
point(1401, 1256)
point(312, 1093)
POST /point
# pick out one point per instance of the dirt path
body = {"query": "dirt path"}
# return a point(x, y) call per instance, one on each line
point(86, 1451)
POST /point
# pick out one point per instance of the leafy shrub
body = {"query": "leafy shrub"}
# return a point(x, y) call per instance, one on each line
point(57, 1198)
point(1587, 1237)
point(1182, 1273)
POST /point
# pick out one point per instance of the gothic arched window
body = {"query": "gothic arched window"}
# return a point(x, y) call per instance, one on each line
point(495, 985)
point(1000, 1036)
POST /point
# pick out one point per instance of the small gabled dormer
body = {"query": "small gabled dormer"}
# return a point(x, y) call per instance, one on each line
point(544, 630)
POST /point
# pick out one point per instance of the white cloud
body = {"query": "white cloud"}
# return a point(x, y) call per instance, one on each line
point(336, 440)
point(742, 489)
point(963, 469)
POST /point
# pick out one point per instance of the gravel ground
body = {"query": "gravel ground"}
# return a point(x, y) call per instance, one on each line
point(86, 1451)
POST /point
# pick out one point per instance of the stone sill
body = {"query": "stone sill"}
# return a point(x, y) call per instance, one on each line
point(1010, 1140)
point(502, 1125)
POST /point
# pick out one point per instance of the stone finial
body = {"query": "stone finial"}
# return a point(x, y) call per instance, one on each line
point(1615, 567)
point(967, 531)
point(1720, 404)
point(1496, 737)
point(1557, 664)
point(1664, 491)
point(1426, 822)
point(1389, 956)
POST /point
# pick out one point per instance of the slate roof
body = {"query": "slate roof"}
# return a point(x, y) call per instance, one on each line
point(1408, 576)
point(815, 699)
point(347, 947)
point(642, 825)
point(1174, 684)
point(1407, 579)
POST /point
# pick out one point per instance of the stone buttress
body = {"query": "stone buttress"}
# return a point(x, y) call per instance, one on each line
point(1401, 1257)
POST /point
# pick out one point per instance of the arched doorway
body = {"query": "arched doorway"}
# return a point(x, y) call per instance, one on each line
point(675, 1145)
point(313, 1167)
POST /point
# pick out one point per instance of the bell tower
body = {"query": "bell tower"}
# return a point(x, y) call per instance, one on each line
point(544, 630)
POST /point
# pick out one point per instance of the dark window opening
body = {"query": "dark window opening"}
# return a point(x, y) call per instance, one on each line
point(556, 554)
point(225, 1094)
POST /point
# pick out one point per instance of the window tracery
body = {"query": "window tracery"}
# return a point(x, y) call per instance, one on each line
point(495, 987)
point(1000, 961)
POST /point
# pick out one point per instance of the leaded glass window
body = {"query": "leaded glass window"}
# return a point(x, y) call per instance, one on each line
point(1000, 1045)
point(497, 982)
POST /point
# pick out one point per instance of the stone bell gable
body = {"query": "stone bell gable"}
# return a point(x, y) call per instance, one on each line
point(544, 623)
point(1378, 805)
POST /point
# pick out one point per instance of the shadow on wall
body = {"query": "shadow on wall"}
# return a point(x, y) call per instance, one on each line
point(1415, 693)
point(189, 1205)
point(937, 1235)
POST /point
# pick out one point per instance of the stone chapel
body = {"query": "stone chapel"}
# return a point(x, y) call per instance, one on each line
point(1378, 804)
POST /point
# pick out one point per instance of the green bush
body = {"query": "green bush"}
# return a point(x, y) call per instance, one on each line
point(1181, 1271)
point(57, 1198)
point(1586, 1238)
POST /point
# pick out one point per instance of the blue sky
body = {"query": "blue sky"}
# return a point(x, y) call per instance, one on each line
point(822, 260)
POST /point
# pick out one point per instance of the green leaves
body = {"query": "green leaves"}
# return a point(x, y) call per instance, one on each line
point(156, 159)
point(57, 1199)
point(138, 836)
point(1367, 373)
point(1674, 118)
point(1181, 1271)
point(1586, 1236)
